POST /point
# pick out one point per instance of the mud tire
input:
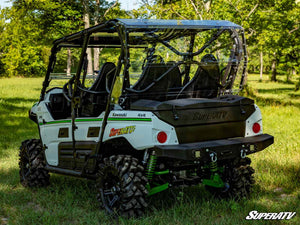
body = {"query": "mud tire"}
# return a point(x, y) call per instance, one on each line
point(239, 180)
point(121, 186)
point(32, 164)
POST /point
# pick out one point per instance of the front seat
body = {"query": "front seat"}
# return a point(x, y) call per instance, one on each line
point(106, 72)
point(95, 98)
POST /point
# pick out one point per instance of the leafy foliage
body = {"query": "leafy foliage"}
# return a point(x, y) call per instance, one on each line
point(29, 27)
point(270, 26)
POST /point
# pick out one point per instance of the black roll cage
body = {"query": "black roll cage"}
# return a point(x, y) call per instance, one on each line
point(123, 28)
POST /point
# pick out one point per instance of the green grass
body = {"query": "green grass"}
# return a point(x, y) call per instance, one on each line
point(72, 201)
point(280, 92)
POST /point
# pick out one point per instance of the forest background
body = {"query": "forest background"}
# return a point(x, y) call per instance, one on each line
point(28, 28)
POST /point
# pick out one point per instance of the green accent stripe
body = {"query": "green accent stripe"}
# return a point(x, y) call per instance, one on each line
point(53, 122)
point(98, 119)
point(130, 119)
point(87, 120)
point(69, 121)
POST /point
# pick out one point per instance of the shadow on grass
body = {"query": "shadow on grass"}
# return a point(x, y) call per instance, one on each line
point(68, 196)
point(277, 90)
point(292, 95)
point(16, 126)
point(287, 176)
point(284, 81)
point(273, 101)
point(9, 108)
point(19, 100)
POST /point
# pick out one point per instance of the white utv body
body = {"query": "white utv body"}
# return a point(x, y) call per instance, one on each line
point(177, 123)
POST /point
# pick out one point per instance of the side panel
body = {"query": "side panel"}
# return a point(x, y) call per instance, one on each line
point(60, 131)
point(140, 128)
point(53, 132)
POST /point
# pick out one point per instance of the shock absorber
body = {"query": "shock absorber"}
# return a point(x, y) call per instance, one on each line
point(151, 166)
point(215, 179)
point(213, 164)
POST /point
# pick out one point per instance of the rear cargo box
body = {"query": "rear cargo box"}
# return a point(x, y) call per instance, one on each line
point(202, 119)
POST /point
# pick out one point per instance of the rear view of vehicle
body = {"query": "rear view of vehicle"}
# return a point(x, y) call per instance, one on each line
point(161, 112)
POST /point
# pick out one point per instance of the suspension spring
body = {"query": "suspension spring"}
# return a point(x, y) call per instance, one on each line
point(151, 166)
point(213, 167)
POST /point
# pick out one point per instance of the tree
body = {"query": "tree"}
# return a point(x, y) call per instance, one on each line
point(32, 27)
point(271, 27)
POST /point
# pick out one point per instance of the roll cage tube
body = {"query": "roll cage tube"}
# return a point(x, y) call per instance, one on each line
point(165, 43)
point(122, 60)
point(188, 56)
point(245, 60)
point(52, 61)
point(57, 44)
point(234, 61)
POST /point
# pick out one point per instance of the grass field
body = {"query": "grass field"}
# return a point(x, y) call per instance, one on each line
point(72, 201)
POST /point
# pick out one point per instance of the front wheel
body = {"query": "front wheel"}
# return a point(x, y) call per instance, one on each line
point(32, 164)
point(238, 178)
point(121, 186)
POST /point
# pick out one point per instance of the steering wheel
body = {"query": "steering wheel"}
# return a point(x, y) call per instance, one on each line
point(68, 89)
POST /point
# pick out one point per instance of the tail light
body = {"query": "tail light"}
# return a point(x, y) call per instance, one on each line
point(162, 137)
point(256, 128)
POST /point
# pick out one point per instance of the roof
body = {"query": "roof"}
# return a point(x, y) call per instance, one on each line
point(108, 36)
point(178, 24)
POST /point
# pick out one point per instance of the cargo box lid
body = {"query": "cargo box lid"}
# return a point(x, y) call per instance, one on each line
point(191, 103)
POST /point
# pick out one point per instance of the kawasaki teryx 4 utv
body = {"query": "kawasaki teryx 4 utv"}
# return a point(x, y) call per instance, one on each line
point(161, 111)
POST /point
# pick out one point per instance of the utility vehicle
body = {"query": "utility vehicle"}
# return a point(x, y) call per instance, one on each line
point(162, 111)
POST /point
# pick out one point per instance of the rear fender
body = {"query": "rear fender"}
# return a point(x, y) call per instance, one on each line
point(254, 118)
point(139, 128)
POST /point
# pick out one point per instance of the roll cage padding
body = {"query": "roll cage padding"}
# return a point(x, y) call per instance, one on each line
point(206, 81)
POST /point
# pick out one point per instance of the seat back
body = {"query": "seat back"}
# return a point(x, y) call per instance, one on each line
point(205, 83)
point(106, 72)
point(160, 89)
point(151, 72)
point(94, 103)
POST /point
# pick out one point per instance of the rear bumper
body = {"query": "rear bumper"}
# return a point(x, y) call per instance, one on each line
point(223, 149)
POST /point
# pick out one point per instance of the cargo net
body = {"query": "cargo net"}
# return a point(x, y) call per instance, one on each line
point(203, 65)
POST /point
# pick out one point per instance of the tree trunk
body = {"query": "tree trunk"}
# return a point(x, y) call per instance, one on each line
point(207, 5)
point(96, 58)
point(261, 65)
point(293, 71)
point(96, 50)
point(274, 72)
point(86, 19)
point(69, 62)
point(288, 75)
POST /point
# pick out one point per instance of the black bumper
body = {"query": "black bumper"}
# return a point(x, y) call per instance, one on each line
point(223, 149)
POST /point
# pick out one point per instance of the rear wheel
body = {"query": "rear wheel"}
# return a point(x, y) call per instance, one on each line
point(238, 178)
point(121, 186)
point(32, 164)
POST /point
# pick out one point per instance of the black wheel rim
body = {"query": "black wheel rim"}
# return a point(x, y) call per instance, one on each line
point(111, 191)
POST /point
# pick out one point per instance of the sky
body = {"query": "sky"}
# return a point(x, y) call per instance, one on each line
point(125, 4)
